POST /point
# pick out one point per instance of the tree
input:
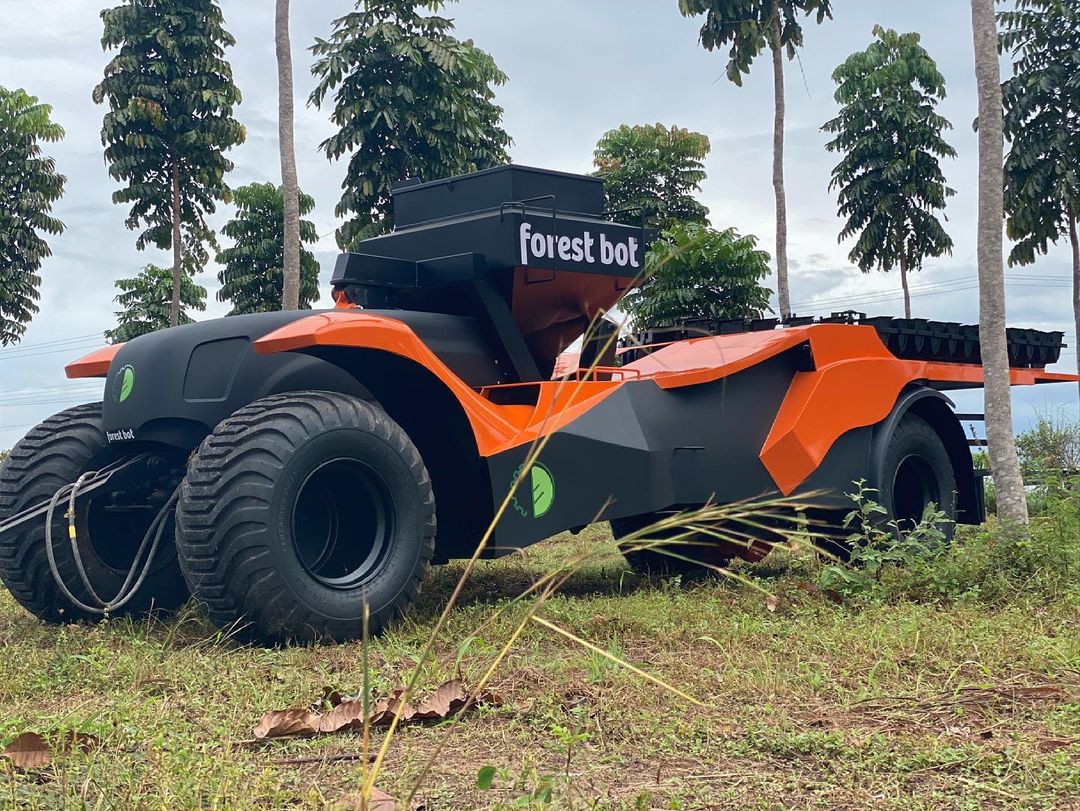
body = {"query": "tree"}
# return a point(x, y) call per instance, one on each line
point(253, 268)
point(652, 171)
point(693, 271)
point(748, 26)
point(1052, 445)
point(1008, 483)
point(146, 303)
point(29, 185)
point(890, 135)
point(171, 95)
point(290, 296)
point(1042, 122)
point(410, 101)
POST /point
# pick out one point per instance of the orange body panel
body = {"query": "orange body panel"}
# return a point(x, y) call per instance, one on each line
point(496, 427)
point(855, 383)
point(818, 408)
point(96, 364)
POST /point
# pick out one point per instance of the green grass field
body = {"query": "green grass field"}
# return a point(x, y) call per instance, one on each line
point(972, 702)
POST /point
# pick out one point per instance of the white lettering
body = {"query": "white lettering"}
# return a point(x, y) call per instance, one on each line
point(535, 245)
point(538, 245)
point(607, 251)
point(622, 255)
point(564, 248)
point(526, 228)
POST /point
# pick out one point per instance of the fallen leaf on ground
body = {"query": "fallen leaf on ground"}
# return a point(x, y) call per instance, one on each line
point(772, 602)
point(1053, 744)
point(28, 751)
point(31, 751)
point(348, 715)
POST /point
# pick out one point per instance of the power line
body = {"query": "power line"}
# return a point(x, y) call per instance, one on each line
point(934, 288)
point(72, 348)
point(52, 342)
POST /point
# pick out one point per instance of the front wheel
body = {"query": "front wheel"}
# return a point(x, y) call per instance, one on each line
point(299, 510)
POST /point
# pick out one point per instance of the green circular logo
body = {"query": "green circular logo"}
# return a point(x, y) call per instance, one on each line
point(124, 383)
point(535, 496)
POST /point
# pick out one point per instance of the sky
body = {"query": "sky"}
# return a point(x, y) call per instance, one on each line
point(576, 68)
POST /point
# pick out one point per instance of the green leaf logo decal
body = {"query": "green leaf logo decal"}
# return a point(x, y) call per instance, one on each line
point(543, 490)
point(535, 496)
point(126, 380)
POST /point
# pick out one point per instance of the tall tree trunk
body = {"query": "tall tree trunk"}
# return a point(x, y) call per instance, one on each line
point(1076, 283)
point(904, 284)
point(290, 293)
point(782, 291)
point(1008, 484)
point(177, 248)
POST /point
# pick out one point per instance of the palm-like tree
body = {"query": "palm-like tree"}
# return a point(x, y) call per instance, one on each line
point(290, 293)
point(1008, 483)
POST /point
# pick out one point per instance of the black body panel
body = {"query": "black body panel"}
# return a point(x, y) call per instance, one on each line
point(650, 449)
point(185, 380)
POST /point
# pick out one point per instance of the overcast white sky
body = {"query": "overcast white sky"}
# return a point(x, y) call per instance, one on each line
point(577, 68)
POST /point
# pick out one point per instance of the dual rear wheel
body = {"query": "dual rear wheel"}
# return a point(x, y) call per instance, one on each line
point(297, 516)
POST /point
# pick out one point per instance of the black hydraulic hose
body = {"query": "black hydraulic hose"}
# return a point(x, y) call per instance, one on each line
point(128, 589)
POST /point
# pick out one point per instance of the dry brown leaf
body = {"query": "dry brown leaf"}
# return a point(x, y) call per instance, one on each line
point(287, 723)
point(445, 701)
point(28, 751)
point(348, 715)
point(771, 602)
point(1053, 744)
point(31, 751)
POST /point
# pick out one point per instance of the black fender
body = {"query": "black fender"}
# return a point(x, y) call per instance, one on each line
point(937, 409)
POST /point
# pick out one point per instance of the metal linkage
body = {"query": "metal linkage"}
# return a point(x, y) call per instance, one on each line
point(93, 481)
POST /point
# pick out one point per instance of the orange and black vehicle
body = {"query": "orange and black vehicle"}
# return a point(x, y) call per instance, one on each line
point(288, 468)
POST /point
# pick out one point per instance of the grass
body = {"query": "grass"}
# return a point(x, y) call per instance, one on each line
point(959, 703)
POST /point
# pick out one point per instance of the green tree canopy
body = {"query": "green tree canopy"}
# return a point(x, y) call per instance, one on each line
point(252, 271)
point(145, 302)
point(29, 185)
point(889, 133)
point(171, 94)
point(1042, 122)
point(410, 101)
point(654, 169)
point(746, 27)
point(693, 271)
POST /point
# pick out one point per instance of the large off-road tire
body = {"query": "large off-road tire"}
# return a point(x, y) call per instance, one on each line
point(917, 472)
point(690, 557)
point(53, 454)
point(297, 510)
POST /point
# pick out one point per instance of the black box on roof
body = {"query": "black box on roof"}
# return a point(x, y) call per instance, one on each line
point(416, 203)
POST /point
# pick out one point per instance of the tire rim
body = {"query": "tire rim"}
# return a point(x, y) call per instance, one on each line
point(342, 523)
point(914, 488)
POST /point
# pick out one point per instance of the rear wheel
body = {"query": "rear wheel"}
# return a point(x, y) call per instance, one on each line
point(108, 530)
point(916, 473)
point(300, 509)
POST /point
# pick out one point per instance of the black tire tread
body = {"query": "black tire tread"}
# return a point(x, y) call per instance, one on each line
point(229, 573)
